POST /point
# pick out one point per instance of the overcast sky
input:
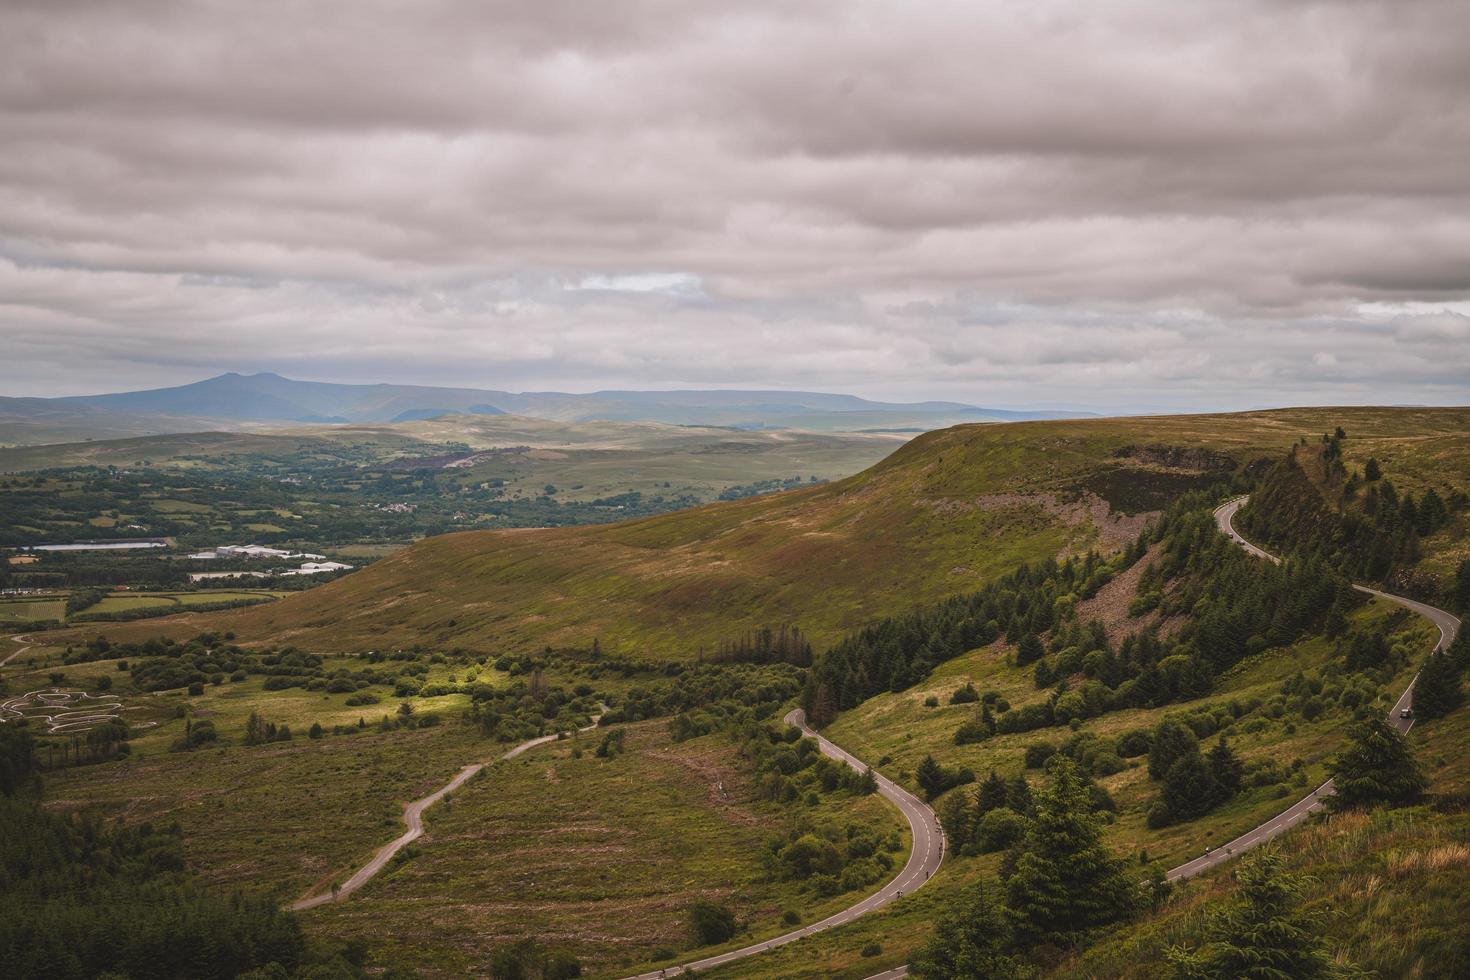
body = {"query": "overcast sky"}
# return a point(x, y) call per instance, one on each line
point(1118, 205)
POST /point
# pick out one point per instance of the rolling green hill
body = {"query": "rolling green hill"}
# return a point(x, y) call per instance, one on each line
point(951, 509)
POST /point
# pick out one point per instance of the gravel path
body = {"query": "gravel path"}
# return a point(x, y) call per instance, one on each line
point(413, 819)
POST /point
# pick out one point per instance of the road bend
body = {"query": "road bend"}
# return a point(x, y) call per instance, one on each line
point(924, 859)
point(1449, 627)
point(24, 640)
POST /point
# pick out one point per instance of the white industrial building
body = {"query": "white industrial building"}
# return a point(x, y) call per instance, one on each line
point(254, 551)
point(114, 544)
point(306, 568)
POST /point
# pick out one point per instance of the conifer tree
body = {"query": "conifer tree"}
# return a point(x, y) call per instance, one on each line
point(1066, 882)
point(1018, 795)
point(992, 794)
point(931, 777)
point(1261, 936)
point(1377, 767)
point(1189, 789)
point(1225, 769)
point(1437, 689)
point(1459, 651)
point(1029, 650)
point(1172, 740)
point(956, 817)
point(973, 939)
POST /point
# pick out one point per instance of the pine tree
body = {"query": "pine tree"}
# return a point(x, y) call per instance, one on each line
point(973, 939)
point(1172, 740)
point(1459, 651)
point(1189, 789)
point(1029, 650)
point(956, 817)
point(1437, 690)
point(254, 729)
point(1018, 795)
point(931, 777)
point(1261, 936)
point(1432, 512)
point(992, 794)
point(1372, 471)
point(1377, 767)
point(1066, 882)
point(1462, 585)
point(1226, 769)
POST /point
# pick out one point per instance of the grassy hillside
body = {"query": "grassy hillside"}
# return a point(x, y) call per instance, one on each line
point(607, 872)
point(947, 511)
point(561, 845)
point(1378, 513)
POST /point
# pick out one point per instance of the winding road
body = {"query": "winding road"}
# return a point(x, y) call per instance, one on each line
point(1449, 627)
point(21, 638)
point(928, 849)
point(413, 819)
point(924, 859)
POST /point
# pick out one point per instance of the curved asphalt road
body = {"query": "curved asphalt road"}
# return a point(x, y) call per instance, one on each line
point(413, 818)
point(1448, 625)
point(924, 860)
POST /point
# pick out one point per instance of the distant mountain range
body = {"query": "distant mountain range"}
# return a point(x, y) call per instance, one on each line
point(234, 401)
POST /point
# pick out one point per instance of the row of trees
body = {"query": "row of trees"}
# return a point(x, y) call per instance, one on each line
point(899, 651)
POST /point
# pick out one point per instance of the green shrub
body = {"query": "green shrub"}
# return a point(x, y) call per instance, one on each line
point(710, 923)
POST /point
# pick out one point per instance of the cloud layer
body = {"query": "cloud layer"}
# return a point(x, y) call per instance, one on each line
point(1122, 205)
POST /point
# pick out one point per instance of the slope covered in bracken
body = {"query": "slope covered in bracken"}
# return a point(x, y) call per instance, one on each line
point(949, 511)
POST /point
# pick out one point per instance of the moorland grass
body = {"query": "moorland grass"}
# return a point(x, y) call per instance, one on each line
point(598, 856)
point(944, 514)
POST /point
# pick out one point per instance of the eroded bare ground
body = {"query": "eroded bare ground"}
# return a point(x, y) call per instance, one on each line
point(1114, 529)
point(1110, 605)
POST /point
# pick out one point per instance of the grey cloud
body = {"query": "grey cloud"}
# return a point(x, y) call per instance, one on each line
point(937, 198)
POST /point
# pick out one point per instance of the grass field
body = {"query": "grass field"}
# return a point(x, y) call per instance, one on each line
point(900, 727)
point(20, 609)
point(279, 818)
point(599, 856)
point(546, 846)
point(947, 512)
point(584, 460)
